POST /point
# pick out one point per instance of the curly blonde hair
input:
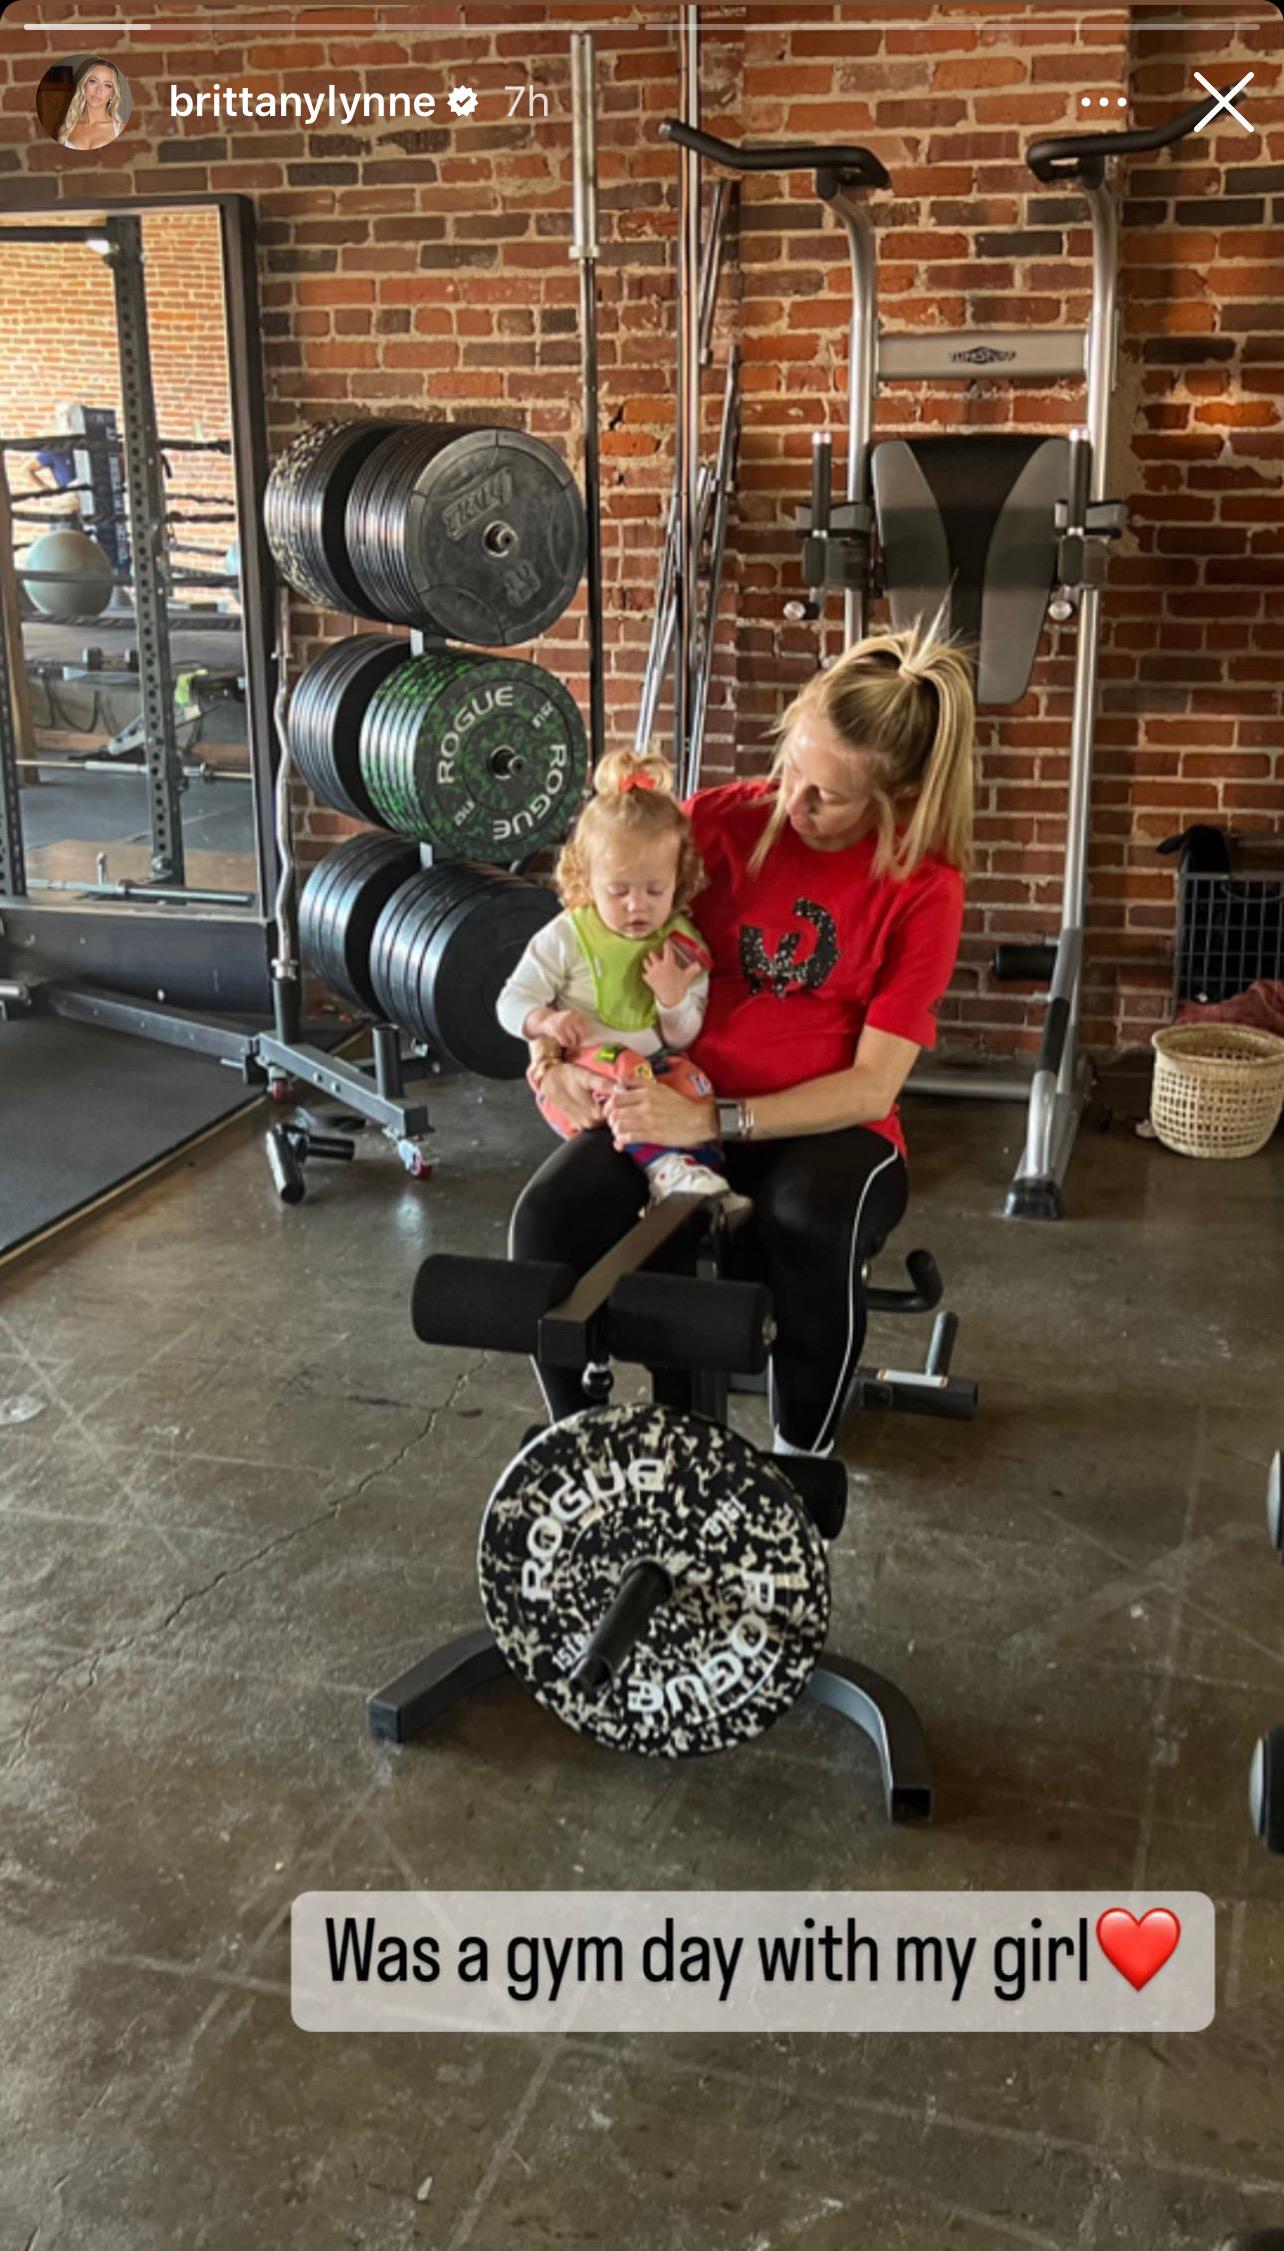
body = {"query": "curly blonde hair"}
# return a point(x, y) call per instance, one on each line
point(632, 799)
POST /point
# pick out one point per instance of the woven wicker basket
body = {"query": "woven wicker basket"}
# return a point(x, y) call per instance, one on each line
point(1218, 1089)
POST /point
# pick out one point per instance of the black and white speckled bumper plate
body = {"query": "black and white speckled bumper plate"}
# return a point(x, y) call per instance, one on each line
point(732, 1647)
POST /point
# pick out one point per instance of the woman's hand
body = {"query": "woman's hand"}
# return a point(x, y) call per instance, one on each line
point(671, 973)
point(575, 1092)
point(655, 1112)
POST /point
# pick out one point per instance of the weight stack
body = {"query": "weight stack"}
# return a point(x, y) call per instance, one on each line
point(470, 534)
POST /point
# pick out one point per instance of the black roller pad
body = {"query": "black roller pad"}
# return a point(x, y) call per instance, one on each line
point(671, 1321)
point(486, 1303)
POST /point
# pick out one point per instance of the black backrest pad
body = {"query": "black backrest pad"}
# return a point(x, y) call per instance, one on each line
point(968, 522)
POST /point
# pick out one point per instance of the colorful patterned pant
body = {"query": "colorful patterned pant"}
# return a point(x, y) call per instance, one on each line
point(621, 1066)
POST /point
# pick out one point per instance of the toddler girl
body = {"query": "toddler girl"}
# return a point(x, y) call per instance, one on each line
point(620, 979)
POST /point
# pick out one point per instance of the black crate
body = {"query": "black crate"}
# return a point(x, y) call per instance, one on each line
point(1230, 928)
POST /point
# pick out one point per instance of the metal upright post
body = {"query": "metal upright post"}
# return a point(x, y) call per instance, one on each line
point(13, 867)
point(862, 380)
point(146, 495)
point(287, 983)
point(1062, 1072)
point(584, 250)
point(688, 426)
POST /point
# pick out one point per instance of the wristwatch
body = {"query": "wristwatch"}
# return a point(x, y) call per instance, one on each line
point(735, 1120)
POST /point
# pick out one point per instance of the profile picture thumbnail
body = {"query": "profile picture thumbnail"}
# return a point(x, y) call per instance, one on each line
point(83, 102)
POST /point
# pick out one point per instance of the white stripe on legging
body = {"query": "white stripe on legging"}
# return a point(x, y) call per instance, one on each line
point(892, 1157)
point(512, 1222)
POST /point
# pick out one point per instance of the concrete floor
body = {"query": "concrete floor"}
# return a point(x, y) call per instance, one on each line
point(235, 1494)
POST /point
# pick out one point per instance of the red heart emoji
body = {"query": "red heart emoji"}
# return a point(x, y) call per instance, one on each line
point(1138, 1947)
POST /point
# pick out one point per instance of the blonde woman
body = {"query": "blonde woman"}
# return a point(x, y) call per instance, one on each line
point(93, 114)
point(831, 909)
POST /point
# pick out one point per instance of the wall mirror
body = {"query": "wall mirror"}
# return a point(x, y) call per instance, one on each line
point(137, 815)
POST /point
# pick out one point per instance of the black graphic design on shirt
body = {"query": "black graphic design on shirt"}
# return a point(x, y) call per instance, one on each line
point(781, 973)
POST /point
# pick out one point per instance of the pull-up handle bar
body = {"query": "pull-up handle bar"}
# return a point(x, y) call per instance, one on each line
point(835, 163)
point(1082, 156)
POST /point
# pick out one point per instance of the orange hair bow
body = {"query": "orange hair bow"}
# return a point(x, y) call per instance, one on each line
point(636, 781)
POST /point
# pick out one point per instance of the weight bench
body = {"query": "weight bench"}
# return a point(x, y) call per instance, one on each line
point(641, 1655)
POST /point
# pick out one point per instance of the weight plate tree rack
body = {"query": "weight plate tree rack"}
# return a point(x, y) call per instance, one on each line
point(462, 753)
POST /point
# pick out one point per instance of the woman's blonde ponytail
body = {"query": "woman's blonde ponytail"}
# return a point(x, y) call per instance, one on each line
point(903, 703)
point(941, 820)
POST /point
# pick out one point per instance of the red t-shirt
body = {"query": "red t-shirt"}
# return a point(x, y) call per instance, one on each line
point(811, 949)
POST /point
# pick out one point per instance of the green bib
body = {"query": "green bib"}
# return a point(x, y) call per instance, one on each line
point(624, 1000)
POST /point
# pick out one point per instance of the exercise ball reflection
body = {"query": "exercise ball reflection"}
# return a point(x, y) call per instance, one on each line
point(85, 577)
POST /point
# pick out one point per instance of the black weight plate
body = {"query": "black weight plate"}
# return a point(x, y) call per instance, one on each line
point(403, 933)
point(305, 510)
point(386, 746)
point(484, 756)
point(386, 749)
point(326, 712)
point(471, 534)
point(483, 1046)
point(375, 513)
point(729, 1651)
point(468, 960)
point(342, 903)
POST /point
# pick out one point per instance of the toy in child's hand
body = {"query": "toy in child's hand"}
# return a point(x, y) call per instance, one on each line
point(672, 970)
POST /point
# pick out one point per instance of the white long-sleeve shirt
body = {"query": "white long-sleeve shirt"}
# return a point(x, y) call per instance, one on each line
point(554, 972)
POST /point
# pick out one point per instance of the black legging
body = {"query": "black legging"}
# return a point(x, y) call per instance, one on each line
point(821, 1202)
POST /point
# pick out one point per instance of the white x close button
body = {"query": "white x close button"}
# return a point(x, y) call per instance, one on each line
point(1224, 101)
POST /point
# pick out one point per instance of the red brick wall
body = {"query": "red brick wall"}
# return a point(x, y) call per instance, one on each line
point(58, 341)
point(423, 267)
